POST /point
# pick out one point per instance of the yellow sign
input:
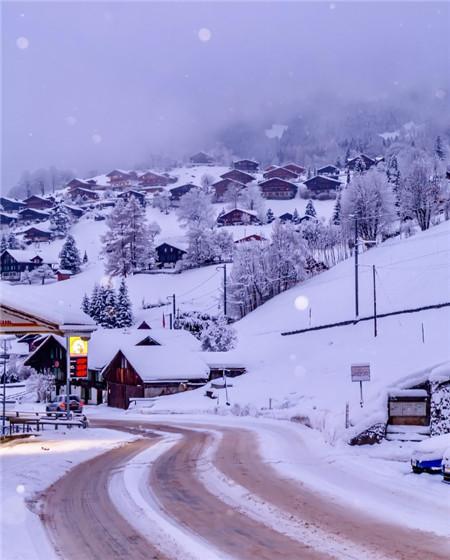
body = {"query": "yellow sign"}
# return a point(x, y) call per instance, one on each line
point(77, 346)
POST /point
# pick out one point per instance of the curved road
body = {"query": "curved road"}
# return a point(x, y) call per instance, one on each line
point(84, 525)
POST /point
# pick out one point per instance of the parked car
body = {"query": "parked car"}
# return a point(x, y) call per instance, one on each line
point(446, 466)
point(428, 455)
point(60, 402)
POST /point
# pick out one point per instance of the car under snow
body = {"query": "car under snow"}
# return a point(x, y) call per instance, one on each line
point(428, 455)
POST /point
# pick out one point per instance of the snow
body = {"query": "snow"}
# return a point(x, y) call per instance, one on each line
point(408, 393)
point(432, 447)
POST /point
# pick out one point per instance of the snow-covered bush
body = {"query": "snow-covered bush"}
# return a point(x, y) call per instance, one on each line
point(219, 336)
point(43, 384)
point(440, 408)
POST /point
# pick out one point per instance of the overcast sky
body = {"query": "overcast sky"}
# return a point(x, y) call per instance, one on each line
point(88, 85)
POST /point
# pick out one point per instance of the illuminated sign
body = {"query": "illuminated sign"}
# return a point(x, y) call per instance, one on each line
point(77, 346)
point(78, 366)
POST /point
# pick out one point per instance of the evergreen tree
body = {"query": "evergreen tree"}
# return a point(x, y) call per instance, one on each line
point(310, 210)
point(95, 304)
point(60, 220)
point(85, 258)
point(12, 242)
point(69, 257)
point(3, 244)
point(124, 315)
point(338, 163)
point(439, 149)
point(86, 305)
point(295, 217)
point(108, 307)
point(336, 218)
point(270, 216)
point(360, 166)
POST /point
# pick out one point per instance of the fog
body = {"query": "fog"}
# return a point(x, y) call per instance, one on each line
point(90, 85)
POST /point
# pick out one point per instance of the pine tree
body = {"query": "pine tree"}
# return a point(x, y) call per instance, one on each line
point(310, 210)
point(270, 216)
point(85, 258)
point(13, 242)
point(439, 149)
point(3, 244)
point(124, 316)
point(336, 218)
point(60, 220)
point(360, 166)
point(95, 304)
point(86, 305)
point(295, 217)
point(69, 256)
point(108, 307)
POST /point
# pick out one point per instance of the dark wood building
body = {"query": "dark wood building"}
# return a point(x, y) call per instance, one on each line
point(278, 189)
point(7, 219)
point(250, 238)
point(39, 202)
point(119, 178)
point(221, 187)
point(33, 215)
point(201, 158)
point(297, 169)
point(139, 196)
point(74, 211)
point(280, 173)
point(237, 216)
point(83, 194)
point(320, 183)
point(14, 262)
point(75, 183)
point(49, 356)
point(37, 235)
point(168, 255)
point(368, 162)
point(329, 171)
point(239, 176)
point(152, 179)
point(177, 192)
point(286, 217)
point(247, 165)
point(11, 204)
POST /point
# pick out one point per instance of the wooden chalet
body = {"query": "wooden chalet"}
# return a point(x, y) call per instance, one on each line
point(201, 158)
point(221, 187)
point(139, 196)
point(152, 179)
point(239, 176)
point(286, 217)
point(37, 235)
point(39, 202)
point(84, 194)
point(168, 255)
point(297, 169)
point(49, 356)
point(250, 238)
point(329, 171)
point(237, 216)
point(14, 262)
point(320, 183)
point(119, 178)
point(177, 192)
point(33, 215)
point(278, 189)
point(280, 173)
point(11, 204)
point(270, 167)
point(7, 219)
point(74, 211)
point(75, 183)
point(368, 162)
point(247, 165)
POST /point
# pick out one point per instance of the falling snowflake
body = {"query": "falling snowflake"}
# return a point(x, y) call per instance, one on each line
point(441, 93)
point(22, 43)
point(301, 303)
point(20, 488)
point(204, 34)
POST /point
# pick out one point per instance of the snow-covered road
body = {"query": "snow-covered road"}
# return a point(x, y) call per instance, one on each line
point(206, 489)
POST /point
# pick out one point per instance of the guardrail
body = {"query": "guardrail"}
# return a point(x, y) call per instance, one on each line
point(26, 420)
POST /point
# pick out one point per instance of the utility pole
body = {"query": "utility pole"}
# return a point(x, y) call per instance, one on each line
point(374, 271)
point(67, 376)
point(356, 271)
point(224, 266)
point(173, 307)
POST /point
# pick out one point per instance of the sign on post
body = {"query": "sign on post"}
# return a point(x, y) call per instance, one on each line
point(360, 373)
point(78, 350)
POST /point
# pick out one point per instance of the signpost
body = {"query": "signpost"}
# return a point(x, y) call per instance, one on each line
point(360, 373)
point(76, 364)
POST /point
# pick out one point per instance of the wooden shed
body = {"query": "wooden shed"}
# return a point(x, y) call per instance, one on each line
point(409, 407)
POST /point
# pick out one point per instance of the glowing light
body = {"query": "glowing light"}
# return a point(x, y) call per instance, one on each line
point(20, 488)
point(22, 43)
point(301, 303)
point(204, 34)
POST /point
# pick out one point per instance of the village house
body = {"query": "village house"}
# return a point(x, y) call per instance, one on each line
point(368, 162)
point(294, 168)
point(11, 204)
point(286, 217)
point(278, 189)
point(329, 171)
point(229, 364)
point(119, 178)
point(320, 184)
point(221, 187)
point(37, 235)
point(139, 196)
point(239, 176)
point(49, 356)
point(177, 192)
point(74, 211)
point(151, 179)
point(168, 254)
point(75, 183)
point(201, 158)
point(247, 165)
point(13, 262)
point(237, 216)
point(81, 193)
point(33, 215)
point(37, 202)
point(7, 220)
point(280, 173)
point(250, 238)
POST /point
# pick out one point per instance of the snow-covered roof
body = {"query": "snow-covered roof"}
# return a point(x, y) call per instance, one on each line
point(408, 393)
point(159, 363)
point(14, 200)
point(36, 211)
point(178, 242)
point(223, 360)
point(23, 255)
point(329, 179)
point(245, 211)
point(9, 215)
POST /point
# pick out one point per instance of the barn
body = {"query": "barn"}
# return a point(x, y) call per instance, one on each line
point(247, 165)
point(320, 183)
point(236, 217)
point(119, 178)
point(278, 189)
point(168, 254)
point(239, 176)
